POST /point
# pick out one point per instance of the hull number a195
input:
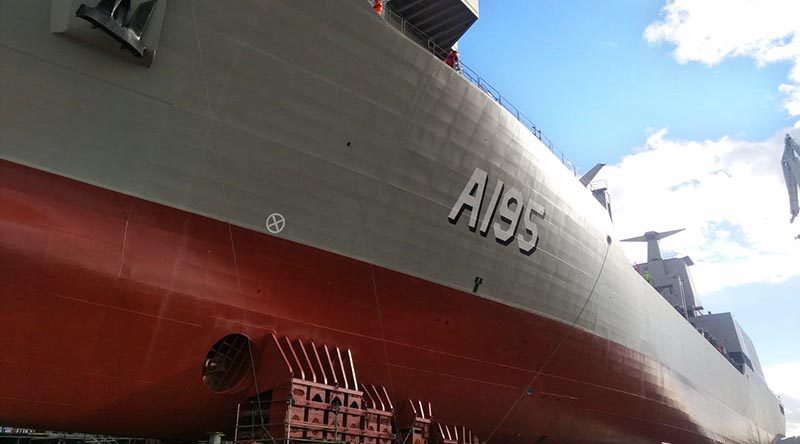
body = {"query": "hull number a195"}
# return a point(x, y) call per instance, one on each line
point(507, 202)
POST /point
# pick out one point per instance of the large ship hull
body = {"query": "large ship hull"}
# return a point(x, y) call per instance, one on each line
point(132, 238)
point(111, 303)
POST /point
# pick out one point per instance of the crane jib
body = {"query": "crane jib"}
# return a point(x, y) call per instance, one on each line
point(790, 162)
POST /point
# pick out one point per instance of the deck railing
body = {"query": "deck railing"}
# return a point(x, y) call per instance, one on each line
point(412, 32)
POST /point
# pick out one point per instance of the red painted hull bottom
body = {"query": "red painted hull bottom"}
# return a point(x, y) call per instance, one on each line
point(109, 304)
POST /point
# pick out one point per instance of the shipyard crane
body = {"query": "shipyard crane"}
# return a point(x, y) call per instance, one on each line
point(791, 173)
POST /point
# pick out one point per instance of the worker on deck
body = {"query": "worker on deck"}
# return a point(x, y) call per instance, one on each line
point(377, 5)
point(452, 59)
point(648, 277)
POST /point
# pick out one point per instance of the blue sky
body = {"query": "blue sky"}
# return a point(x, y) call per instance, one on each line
point(583, 72)
point(768, 312)
point(691, 124)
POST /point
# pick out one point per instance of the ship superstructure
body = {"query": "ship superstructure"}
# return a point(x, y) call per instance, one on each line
point(672, 279)
point(306, 170)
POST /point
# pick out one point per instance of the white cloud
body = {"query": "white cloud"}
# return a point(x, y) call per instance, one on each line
point(729, 195)
point(792, 416)
point(783, 380)
point(709, 31)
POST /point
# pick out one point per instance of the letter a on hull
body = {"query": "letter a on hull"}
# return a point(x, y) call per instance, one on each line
point(470, 198)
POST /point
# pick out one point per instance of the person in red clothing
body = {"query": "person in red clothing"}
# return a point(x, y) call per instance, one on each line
point(452, 59)
point(377, 5)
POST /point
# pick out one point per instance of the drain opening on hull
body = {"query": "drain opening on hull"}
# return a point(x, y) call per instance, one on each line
point(226, 362)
